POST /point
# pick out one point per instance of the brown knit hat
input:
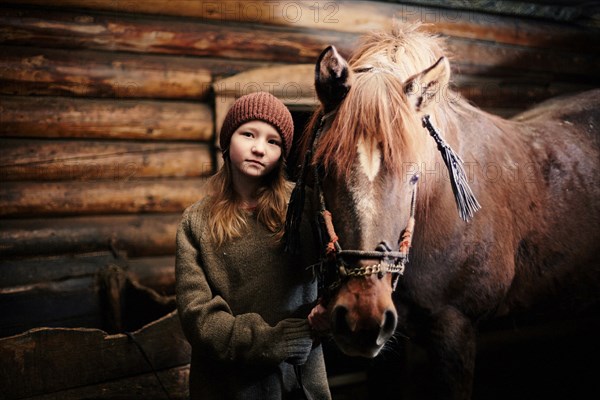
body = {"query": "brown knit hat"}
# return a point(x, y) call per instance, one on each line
point(261, 106)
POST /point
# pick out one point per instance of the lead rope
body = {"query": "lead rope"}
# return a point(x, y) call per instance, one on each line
point(293, 216)
point(298, 372)
point(141, 350)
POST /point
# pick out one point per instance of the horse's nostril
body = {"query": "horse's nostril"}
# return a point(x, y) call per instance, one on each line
point(388, 327)
point(339, 320)
point(383, 246)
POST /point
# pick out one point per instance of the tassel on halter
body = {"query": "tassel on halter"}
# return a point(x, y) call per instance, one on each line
point(465, 199)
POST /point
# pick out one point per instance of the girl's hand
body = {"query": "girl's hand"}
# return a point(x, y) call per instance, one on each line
point(318, 319)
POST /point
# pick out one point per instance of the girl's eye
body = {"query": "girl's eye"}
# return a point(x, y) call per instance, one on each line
point(247, 134)
point(275, 142)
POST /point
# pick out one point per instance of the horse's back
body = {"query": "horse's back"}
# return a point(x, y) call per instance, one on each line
point(559, 244)
point(581, 111)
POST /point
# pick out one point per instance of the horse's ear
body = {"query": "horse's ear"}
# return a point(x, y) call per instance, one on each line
point(422, 88)
point(332, 78)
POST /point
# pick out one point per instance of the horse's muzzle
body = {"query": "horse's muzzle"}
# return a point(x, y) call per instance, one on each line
point(363, 337)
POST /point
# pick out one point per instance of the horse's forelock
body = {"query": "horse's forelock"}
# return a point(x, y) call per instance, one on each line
point(405, 50)
point(376, 111)
point(376, 108)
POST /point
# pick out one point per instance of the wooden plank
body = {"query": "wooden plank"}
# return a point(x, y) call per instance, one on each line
point(487, 58)
point(469, 21)
point(576, 11)
point(32, 270)
point(86, 30)
point(101, 160)
point(293, 84)
point(39, 362)
point(27, 199)
point(152, 35)
point(68, 303)
point(157, 273)
point(145, 386)
point(517, 92)
point(23, 71)
point(51, 117)
point(134, 236)
point(27, 71)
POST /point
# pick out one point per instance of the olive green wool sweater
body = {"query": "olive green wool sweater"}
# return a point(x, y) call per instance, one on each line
point(243, 308)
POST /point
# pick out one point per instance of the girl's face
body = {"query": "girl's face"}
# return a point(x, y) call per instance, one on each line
point(255, 149)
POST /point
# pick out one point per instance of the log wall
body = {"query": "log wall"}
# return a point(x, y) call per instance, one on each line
point(108, 114)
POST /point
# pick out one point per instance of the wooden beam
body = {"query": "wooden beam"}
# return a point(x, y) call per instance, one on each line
point(470, 21)
point(33, 270)
point(68, 303)
point(77, 30)
point(55, 160)
point(39, 362)
point(487, 58)
point(578, 11)
point(27, 71)
point(145, 386)
point(60, 117)
point(517, 92)
point(67, 29)
point(27, 199)
point(293, 84)
point(131, 235)
point(157, 273)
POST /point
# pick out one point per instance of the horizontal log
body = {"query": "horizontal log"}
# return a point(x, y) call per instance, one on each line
point(49, 72)
point(34, 270)
point(516, 92)
point(69, 303)
point(574, 11)
point(490, 58)
point(39, 362)
point(134, 236)
point(145, 386)
point(157, 273)
point(294, 85)
point(27, 71)
point(105, 299)
point(53, 160)
point(363, 16)
point(49, 117)
point(85, 30)
point(27, 199)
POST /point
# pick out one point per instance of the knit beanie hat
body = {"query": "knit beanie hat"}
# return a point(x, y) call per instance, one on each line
point(261, 106)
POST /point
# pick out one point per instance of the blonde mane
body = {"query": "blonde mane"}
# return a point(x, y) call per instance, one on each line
point(376, 109)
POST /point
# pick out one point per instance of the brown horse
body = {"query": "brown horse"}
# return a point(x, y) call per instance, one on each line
point(536, 177)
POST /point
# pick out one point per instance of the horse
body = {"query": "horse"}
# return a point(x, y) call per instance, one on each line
point(402, 261)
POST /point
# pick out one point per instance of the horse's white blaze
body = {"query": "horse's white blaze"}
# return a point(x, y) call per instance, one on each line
point(370, 159)
point(369, 163)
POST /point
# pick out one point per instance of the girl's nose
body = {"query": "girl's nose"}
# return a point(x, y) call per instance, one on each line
point(258, 148)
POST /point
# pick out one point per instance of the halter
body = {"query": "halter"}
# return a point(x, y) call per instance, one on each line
point(333, 268)
point(390, 262)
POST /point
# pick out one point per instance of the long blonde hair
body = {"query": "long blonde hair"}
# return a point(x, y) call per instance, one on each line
point(228, 220)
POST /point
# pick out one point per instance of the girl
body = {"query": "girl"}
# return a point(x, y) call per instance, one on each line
point(242, 300)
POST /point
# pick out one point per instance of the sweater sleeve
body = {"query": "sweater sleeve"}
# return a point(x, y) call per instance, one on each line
point(210, 326)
